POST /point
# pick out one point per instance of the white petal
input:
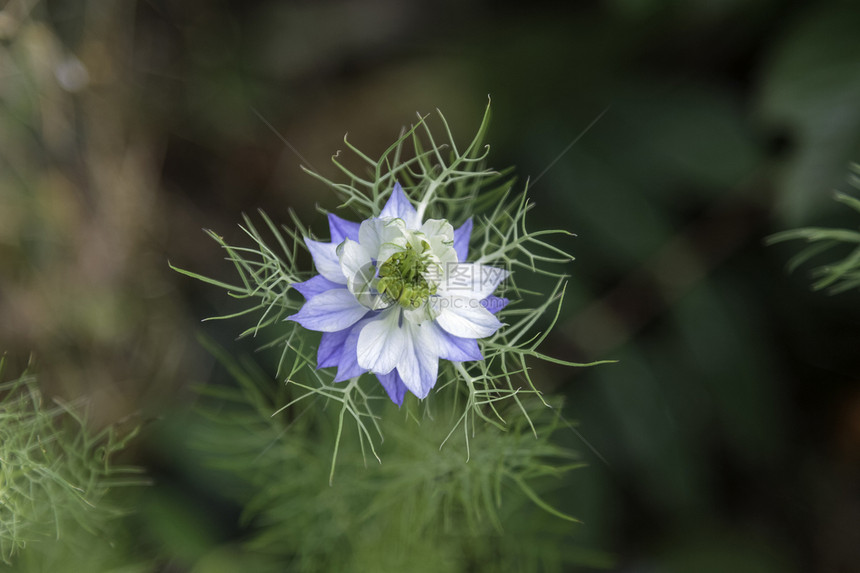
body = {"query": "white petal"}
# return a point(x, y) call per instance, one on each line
point(465, 317)
point(375, 234)
point(440, 235)
point(419, 363)
point(419, 315)
point(438, 228)
point(471, 280)
point(359, 271)
point(352, 257)
point(326, 261)
point(381, 342)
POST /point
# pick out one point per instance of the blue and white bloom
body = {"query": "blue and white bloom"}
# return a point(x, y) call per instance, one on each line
point(394, 295)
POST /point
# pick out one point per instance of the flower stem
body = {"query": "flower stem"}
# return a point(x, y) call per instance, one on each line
point(347, 392)
point(422, 206)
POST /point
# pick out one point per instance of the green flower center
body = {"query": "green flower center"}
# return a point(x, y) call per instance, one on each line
point(401, 278)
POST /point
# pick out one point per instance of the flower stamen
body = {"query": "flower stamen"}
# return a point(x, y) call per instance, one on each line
point(401, 278)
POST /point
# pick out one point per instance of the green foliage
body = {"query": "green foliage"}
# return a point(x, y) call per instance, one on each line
point(839, 276)
point(55, 479)
point(443, 181)
point(422, 509)
point(808, 89)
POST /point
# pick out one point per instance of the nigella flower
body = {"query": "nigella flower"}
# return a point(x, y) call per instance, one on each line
point(394, 295)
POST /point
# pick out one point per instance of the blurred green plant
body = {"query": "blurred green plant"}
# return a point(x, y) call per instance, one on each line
point(842, 274)
point(56, 476)
point(422, 509)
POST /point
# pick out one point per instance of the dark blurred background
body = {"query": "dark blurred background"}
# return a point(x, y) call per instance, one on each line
point(729, 431)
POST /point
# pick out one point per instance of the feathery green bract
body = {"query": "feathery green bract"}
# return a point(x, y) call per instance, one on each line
point(838, 276)
point(55, 476)
point(422, 509)
point(445, 181)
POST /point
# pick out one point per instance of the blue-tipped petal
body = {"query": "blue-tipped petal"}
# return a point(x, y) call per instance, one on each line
point(454, 348)
point(331, 348)
point(342, 229)
point(494, 303)
point(348, 366)
point(394, 386)
point(317, 285)
point(398, 206)
point(461, 240)
point(330, 311)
